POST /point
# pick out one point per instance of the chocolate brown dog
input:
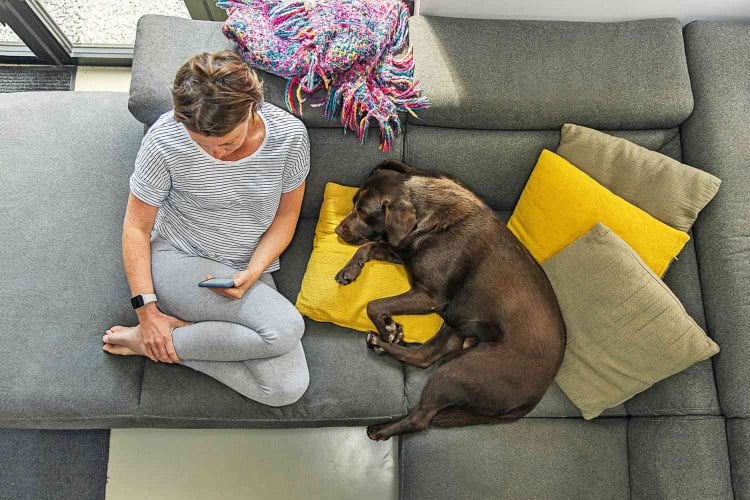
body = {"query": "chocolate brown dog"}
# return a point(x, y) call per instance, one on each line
point(503, 336)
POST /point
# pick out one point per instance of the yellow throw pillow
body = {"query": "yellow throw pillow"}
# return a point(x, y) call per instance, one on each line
point(322, 299)
point(560, 203)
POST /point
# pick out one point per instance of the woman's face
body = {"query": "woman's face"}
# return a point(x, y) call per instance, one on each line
point(225, 145)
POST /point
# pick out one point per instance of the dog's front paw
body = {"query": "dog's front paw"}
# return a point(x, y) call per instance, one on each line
point(347, 275)
point(395, 332)
point(375, 432)
point(373, 342)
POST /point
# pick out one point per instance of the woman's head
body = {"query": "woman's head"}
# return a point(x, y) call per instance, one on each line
point(214, 95)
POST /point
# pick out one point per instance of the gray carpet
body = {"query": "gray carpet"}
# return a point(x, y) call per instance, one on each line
point(25, 78)
point(53, 464)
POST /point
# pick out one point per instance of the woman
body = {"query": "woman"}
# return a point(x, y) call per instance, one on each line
point(217, 191)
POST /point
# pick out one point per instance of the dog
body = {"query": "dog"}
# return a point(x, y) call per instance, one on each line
point(503, 336)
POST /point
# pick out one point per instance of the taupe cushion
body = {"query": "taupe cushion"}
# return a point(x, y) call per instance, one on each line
point(626, 329)
point(669, 190)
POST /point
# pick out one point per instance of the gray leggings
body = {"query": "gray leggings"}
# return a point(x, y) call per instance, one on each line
point(251, 345)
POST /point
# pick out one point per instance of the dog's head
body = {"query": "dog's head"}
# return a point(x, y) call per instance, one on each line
point(381, 211)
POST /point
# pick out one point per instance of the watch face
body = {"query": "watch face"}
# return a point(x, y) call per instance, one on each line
point(137, 301)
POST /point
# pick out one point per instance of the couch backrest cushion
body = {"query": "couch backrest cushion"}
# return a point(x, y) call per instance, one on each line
point(165, 43)
point(525, 75)
point(716, 138)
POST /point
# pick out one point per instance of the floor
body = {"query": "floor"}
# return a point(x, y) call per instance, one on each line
point(322, 463)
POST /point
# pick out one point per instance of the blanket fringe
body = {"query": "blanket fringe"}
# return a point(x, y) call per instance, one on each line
point(364, 83)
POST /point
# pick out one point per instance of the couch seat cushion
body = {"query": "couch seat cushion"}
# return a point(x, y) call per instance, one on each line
point(349, 385)
point(66, 161)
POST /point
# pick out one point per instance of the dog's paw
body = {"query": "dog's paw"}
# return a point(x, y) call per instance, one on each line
point(373, 343)
point(375, 432)
point(395, 332)
point(347, 275)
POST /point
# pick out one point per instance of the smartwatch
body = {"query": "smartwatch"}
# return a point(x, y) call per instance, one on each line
point(142, 299)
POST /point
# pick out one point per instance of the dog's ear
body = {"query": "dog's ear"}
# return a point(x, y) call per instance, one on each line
point(400, 220)
point(395, 166)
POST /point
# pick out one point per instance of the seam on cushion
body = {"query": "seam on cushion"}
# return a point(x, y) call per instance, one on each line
point(403, 141)
point(667, 412)
point(627, 455)
point(666, 418)
point(729, 459)
point(275, 420)
point(406, 399)
point(138, 418)
point(706, 318)
point(140, 389)
point(400, 477)
point(661, 148)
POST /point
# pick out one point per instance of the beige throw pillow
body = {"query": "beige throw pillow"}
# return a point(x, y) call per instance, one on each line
point(669, 190)
point(626, 329)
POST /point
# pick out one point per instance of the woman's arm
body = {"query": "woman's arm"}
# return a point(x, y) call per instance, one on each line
point(273, 242)
point(136, 255)
point(279, 234)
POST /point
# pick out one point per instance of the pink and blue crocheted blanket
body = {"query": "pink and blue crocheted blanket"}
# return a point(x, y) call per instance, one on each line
point(355, 49)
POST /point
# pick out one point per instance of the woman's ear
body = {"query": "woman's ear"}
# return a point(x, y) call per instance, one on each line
point(400, 220)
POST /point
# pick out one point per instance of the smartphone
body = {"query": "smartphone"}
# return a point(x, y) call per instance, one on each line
point(217, 283)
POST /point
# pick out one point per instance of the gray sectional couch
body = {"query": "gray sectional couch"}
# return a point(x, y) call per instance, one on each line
point(500, 91)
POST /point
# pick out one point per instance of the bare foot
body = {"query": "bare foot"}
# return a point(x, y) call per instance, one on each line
point(124, 341)
point(119, 349)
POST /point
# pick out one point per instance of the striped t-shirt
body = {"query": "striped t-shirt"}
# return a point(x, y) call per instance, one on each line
point(213, 208)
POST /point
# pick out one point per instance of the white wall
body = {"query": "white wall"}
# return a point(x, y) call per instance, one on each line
point(587, 10)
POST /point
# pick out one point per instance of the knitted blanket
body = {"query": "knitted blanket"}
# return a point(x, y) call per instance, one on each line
point(355, 49)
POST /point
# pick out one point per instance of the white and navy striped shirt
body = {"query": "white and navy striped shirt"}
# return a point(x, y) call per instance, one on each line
point(213, 208)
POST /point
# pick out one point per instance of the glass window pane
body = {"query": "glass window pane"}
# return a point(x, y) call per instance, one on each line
point(108, 22)
point(7, 35)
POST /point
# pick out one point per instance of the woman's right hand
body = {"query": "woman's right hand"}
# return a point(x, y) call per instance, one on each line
point(156, 333)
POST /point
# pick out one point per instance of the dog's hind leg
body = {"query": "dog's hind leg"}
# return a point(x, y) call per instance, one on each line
point(444, 389)
point(460, 417)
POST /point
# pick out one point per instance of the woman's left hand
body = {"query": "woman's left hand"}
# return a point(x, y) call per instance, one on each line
point(242, 283)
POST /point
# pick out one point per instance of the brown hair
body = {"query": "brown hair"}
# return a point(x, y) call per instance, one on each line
point(213, 93)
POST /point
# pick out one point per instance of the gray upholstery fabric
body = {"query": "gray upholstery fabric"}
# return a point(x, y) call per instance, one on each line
point(164, 43)
point(524, 75)
point(716, 138)
point(738, 437)
point(532, 458)
point(341, 391)
point(339, 158)
point(693, 391)
point(553, 404)
point(43, 464)
point(495, 163)
point(293, 261)
point(678, 458)
point(66, 158)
